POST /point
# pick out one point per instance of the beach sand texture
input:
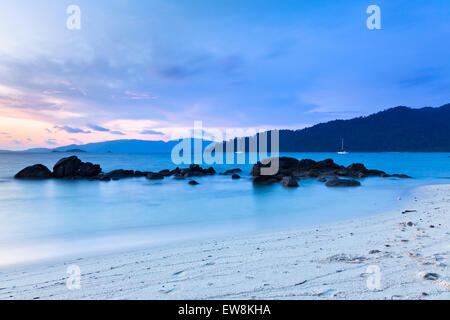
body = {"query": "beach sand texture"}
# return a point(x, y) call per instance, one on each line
point(391, 255)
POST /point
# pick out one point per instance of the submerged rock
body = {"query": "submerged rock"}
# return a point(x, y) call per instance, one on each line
point(120, 174)
point(155, 176)
point(165, 173)
point(193, 183)
point(235, 176)
point(264, 180)
point(38, 171)
point(139, 174)
point(232, 171)
point(343, 183)
point(289, 182)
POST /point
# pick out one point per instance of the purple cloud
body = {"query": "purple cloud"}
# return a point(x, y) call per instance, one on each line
point(71, 130)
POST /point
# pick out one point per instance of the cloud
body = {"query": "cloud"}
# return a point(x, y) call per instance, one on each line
point(51, 142)
point(76, 140)
point(4, 133)
point(29, 139)
point(71, 130)
point(97, 128)
point(152, 132)
point(139, 96)
point(226, 65)
point(16, 142)
point(117, 133)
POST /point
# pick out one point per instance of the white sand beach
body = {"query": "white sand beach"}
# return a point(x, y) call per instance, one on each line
point(407, 252)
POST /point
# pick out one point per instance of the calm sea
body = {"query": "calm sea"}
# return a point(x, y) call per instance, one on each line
point(55, 218)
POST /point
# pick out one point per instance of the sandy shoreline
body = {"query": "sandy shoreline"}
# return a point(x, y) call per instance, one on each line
point(335, 261)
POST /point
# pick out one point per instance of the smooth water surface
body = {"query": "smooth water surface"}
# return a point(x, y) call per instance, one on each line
point(44, 219)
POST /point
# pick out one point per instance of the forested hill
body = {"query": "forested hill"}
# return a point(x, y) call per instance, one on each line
point(399, 129)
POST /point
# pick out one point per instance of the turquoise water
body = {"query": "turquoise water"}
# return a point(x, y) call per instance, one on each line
point(45, 219)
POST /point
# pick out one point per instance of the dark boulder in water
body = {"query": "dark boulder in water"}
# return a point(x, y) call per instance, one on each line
point(120, 174)
point(264, 180)
point(308, 168)
point(72, 167)
point(155, 176)
point(88, 169)
point(67, 167)
point(401, 176)
point(38, 171)
point(235, 176)
point(232, 171)
point(194, 170)
point(289, 182)
point(193, 183)
point(139, 174)
point(343, 183)
point(165, 173)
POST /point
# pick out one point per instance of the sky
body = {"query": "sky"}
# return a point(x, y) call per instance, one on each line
point(147, 69)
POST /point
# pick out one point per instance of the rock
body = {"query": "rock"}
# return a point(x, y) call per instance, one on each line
point(308, 168)
point(285, 163)
point(38, 171)
point(155, 176)
point(194, 170)
point(72, 167)
point(232, 171)
point(321, 179)
point(374, 251)
point(235, 176)
point(120, 174)
point(193, 183)
point(343, 183)
point(67, 167)
point(88, 169)
point(402, 176)
point(210, 171)
point(357, 167)
point(165, 173)
point(178, 177)
point(428, 276)
point(264, 180)
point(289, 182)
point(410, 224)
point(139, 174)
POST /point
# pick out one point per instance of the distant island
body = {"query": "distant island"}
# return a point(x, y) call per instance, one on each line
point(70, 150)
point(399, 129)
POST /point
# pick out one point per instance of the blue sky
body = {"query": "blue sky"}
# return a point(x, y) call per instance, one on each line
point(142, 69)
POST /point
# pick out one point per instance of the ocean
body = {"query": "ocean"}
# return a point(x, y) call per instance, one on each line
point(58, 218)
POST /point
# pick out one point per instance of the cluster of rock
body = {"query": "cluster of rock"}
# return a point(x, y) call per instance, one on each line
point(70, 167)
point(74, 168)
point(290, 170)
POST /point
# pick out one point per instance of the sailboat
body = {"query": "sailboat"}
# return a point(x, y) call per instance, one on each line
point(342, 148)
